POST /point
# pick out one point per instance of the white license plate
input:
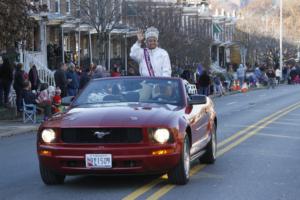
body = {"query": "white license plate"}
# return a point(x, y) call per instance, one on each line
point(98, 160)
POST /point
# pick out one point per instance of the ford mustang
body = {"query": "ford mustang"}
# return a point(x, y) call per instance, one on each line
point(129, 125)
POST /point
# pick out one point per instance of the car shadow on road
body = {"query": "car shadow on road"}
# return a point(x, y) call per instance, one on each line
point(108, 181)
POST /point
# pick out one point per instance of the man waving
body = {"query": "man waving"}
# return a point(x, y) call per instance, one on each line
point(152, 60)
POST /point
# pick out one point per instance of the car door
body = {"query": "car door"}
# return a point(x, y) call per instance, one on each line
point(198, 120)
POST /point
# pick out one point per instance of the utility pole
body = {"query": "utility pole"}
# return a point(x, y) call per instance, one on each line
point(280, 39)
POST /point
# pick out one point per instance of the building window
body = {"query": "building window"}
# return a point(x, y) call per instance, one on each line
point(68, 6)
point(57, 6)
point(78, 8)
point(132, 9)
point(49, 5)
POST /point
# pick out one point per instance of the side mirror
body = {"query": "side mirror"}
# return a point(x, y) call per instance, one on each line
point(197, 99)
point(66, 101)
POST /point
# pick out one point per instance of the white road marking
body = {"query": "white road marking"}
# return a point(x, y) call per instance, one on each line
point(231, 103)
point(293, 114)
point(290, 119)
point(287, 123)
point(279, 136)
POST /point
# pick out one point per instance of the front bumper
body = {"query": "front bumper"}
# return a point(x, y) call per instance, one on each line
point(134, 159)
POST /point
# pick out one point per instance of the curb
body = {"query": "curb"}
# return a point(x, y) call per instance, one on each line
point(17, 132)
point(236, 92)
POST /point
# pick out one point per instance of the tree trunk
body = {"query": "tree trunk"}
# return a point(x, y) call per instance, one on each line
point(99, 47)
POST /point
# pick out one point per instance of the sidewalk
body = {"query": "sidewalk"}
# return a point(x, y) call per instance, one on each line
point(12, 124)
point(15, 127)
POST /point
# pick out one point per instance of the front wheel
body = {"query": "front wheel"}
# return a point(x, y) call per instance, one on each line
point(181, 173)
point(209, 157)
point(51, 178)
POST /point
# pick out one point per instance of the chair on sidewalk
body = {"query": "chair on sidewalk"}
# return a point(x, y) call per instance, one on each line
point(29, 112)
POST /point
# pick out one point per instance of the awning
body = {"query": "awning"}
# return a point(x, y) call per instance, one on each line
point(217, 28)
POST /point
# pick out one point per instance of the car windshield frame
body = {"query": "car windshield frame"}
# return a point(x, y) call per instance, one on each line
point(129, 88)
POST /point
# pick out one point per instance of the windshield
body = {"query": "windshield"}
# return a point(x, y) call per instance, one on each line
point(161, 91)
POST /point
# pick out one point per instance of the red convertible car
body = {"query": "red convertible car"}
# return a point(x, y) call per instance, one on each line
point(129, 125)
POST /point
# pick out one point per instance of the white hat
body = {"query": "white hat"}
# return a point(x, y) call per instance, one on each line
point(151, 32)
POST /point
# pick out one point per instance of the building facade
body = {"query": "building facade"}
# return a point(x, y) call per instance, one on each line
point(62, 35)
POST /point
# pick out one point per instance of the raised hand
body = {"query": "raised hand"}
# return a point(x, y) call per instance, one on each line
point(140, 36)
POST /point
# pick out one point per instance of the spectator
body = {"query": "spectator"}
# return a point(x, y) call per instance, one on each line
point(229, 77)
point(6, 78)
point(85, 78)
point(116, 71)
point(271, 77)
point(19, 85)
point(241, 75)
point(285, 73)
point(204, 82)
point(278, 75)
point(131, 72)
point(44, 101)
point(61, 79)
point(100, 72)
point(73, 81)
point(34, 78)
point(218, 88)
point(28, 96)
point(56, 105)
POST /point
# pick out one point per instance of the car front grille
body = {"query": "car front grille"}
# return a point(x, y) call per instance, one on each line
point(102, 135)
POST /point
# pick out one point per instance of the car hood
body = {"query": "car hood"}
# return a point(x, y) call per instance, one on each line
point(120, 115)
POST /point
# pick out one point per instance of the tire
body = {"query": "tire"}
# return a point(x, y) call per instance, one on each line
point(209, 157)
point(51, 178)
point(181, 173)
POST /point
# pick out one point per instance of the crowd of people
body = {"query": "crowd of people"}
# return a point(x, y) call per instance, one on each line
point(218, 83)
point(29, 89)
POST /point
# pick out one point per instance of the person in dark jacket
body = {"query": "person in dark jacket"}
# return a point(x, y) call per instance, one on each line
point(28, 96)
point(61, 79)
point(73, 81)
point(6, 78)
point(271, 77)
point(85, 78)
point(1, 84)
point(34, 78)
point(18, 85)
point(204, 82)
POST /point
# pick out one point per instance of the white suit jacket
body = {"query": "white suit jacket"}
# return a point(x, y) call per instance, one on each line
point(159, 59)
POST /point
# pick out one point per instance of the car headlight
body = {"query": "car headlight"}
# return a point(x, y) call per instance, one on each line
point(48, 135)
point(161, 135)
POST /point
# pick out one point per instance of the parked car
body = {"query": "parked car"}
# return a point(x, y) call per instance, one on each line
point(129, 125)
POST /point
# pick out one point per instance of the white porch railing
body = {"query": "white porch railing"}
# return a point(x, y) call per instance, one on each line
point(45, 75)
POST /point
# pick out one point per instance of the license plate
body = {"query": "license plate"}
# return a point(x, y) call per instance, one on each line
point(98, 160)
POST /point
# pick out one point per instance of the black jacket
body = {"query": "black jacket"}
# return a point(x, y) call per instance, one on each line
point(6, 73)
point(204, 80)
point(29, 97)
point(19, 80)
point(61, 81)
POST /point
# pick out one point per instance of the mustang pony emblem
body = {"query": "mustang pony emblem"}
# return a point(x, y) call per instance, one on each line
point(101, 134)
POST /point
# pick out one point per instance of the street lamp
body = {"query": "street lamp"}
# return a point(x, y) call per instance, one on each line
point(280, 38)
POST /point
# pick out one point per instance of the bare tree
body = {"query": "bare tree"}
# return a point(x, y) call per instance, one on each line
point(102, 15)
point(261, 31)
point(15, 23)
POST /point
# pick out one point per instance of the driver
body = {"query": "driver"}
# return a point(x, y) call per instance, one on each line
point(166, 93)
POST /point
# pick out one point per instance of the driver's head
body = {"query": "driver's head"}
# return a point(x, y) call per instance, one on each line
point(115, 90)
point(166, 90)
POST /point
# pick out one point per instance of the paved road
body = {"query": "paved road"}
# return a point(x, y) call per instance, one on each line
point(259, 146)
